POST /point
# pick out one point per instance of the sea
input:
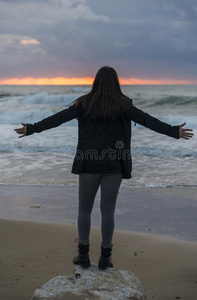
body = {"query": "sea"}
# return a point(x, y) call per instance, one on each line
point(158, 160)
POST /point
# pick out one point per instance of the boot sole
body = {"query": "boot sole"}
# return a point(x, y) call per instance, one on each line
point(104, 267)
point(85, 266)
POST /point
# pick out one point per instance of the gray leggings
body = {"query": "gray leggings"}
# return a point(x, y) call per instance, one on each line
point(88, 187)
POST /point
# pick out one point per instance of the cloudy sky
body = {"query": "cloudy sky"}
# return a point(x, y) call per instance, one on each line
point(150, 40)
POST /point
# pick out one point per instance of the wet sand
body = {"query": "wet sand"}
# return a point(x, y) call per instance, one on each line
point(163, 211)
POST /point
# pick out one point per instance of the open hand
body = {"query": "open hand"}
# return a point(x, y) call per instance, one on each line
point(185, 133)
point(22, 130)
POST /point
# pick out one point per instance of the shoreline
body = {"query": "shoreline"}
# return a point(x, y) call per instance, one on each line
point(32, 253)
point(122, 185)
point(53, 168)
point(162, 211)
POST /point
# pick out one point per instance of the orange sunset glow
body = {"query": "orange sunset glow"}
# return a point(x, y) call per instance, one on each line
point(88, 81)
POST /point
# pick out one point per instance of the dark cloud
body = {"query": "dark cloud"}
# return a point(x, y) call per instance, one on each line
point(153, 39)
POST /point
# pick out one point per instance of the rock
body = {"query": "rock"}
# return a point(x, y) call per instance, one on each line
point(92, 283)
point(34, 206)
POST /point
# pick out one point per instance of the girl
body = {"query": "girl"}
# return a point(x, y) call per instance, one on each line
point(103, 156)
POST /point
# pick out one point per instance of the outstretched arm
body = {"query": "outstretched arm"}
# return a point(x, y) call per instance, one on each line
point(52, 121)
point(155, 124)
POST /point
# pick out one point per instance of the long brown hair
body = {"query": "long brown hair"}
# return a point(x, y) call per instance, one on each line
point(105, 97)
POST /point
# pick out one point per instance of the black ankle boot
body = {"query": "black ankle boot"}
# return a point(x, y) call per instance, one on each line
point(105, 258)
point(82, 258)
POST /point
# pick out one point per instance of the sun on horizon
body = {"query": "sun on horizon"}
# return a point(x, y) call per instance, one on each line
point(89, 81)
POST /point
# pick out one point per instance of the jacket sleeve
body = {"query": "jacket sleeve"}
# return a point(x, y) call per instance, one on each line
point(144, 119)
point(55, 120)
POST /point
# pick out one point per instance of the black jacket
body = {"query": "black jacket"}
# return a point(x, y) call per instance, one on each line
point(103, 147)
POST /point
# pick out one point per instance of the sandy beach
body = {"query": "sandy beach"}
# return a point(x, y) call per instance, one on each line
point(34, 252)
